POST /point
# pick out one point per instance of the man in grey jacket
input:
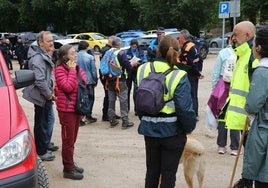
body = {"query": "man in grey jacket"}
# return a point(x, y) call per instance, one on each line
point(40, 93)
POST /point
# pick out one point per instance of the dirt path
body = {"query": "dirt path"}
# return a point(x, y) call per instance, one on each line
point(116, 158)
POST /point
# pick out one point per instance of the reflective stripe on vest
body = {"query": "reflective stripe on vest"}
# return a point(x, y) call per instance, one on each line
point(172, 80)
point(159, 119)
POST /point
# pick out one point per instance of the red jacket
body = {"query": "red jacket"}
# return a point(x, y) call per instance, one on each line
point(66, 87)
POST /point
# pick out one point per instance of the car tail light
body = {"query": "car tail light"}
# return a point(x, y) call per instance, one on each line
point(16, 150)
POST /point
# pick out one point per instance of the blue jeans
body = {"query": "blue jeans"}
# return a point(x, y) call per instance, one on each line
point(51, 121)
point(42, 127)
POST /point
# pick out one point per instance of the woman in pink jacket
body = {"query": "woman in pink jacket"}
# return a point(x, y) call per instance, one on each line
point(66, 92)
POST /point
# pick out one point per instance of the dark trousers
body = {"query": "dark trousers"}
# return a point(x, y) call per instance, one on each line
point(162, 158)
point(69, 129)
point(194, 92)
point(222, 137)
point(131, 79)
point(259, 184)
point(105, 104)
point(42, 127)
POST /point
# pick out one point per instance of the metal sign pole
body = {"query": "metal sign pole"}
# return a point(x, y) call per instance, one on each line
point(223, 31)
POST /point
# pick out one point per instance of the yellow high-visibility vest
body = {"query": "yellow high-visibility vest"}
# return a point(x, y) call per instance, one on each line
point(172, 80)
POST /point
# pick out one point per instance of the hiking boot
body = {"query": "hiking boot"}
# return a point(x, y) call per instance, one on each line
point(78, 169)
point(73, 174)
point(48, 156)
point(127, 124)
point(243, 183)
point(52, 147)
point(117, 117)
point(113, 123)
point(91, 119)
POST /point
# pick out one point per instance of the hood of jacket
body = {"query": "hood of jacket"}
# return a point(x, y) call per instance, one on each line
point(263, 62)
point(34, 50)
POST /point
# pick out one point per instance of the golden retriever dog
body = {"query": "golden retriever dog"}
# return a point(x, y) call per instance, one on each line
point(193, 160)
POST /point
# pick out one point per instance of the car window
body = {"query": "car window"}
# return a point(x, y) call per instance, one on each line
point(98, 36)
point(83, 37)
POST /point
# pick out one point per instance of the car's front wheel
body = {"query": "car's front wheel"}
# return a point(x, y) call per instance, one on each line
point(214, 45)
point(42, 174)
point(203, 52)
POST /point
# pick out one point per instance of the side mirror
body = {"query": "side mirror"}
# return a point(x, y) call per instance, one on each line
point(23, 78)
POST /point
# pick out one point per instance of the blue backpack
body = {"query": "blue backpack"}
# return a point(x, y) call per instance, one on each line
point(109, 66)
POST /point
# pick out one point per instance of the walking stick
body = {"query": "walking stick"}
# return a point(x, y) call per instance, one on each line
point(238, 152)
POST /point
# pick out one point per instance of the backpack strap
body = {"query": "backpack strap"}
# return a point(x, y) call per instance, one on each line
point(165, 73)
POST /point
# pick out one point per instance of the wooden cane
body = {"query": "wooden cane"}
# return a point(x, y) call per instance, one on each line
point(238, 152)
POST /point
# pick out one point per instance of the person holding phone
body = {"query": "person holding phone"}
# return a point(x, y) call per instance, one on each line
point(66, 92)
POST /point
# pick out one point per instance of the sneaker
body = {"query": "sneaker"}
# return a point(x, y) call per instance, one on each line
point(235, 152)
point(222, 150)
point(91, 119)
point(243, 183)
point(52, 147)
point(48, 156)
point(127, 124)
point(113, 123)
point(73, 174)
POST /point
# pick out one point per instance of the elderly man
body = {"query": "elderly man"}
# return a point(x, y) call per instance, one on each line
point(236, 116)
point(40, 93)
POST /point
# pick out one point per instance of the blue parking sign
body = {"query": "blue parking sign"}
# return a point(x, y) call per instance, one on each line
point(224, 9)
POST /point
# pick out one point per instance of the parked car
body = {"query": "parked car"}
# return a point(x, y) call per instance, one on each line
point(202, 44)
point(20, 165)
point(217, 42)
point(96, 41)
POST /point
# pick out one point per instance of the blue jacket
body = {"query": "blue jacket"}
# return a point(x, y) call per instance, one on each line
point(184, 121)
point(138, 53)
point(87, 63)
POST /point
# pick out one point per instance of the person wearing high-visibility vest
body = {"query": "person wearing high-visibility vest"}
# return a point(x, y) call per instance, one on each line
point(165, 133)
point(118, 87)
point(236, 116)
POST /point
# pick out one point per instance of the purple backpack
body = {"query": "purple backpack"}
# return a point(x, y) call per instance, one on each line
point(150, 94)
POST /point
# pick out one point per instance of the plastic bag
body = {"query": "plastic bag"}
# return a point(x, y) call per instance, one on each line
point(210, 121)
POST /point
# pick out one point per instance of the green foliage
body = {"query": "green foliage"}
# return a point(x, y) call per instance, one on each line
point(111, 16)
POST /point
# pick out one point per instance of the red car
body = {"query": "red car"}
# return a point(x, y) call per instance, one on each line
point(20, 166)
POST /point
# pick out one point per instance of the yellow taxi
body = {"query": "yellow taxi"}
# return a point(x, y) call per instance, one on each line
point(95, 40)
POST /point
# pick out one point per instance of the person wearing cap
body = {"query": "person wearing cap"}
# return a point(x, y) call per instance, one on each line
point(154, 43)
point(132, 52)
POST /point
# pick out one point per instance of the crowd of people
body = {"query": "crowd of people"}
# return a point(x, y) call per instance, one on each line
point(164, 133)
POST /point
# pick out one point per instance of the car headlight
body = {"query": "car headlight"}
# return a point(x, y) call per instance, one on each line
point(16, 150)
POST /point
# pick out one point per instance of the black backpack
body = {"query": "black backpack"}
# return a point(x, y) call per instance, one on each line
point(82, 106)
point(150, 94)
